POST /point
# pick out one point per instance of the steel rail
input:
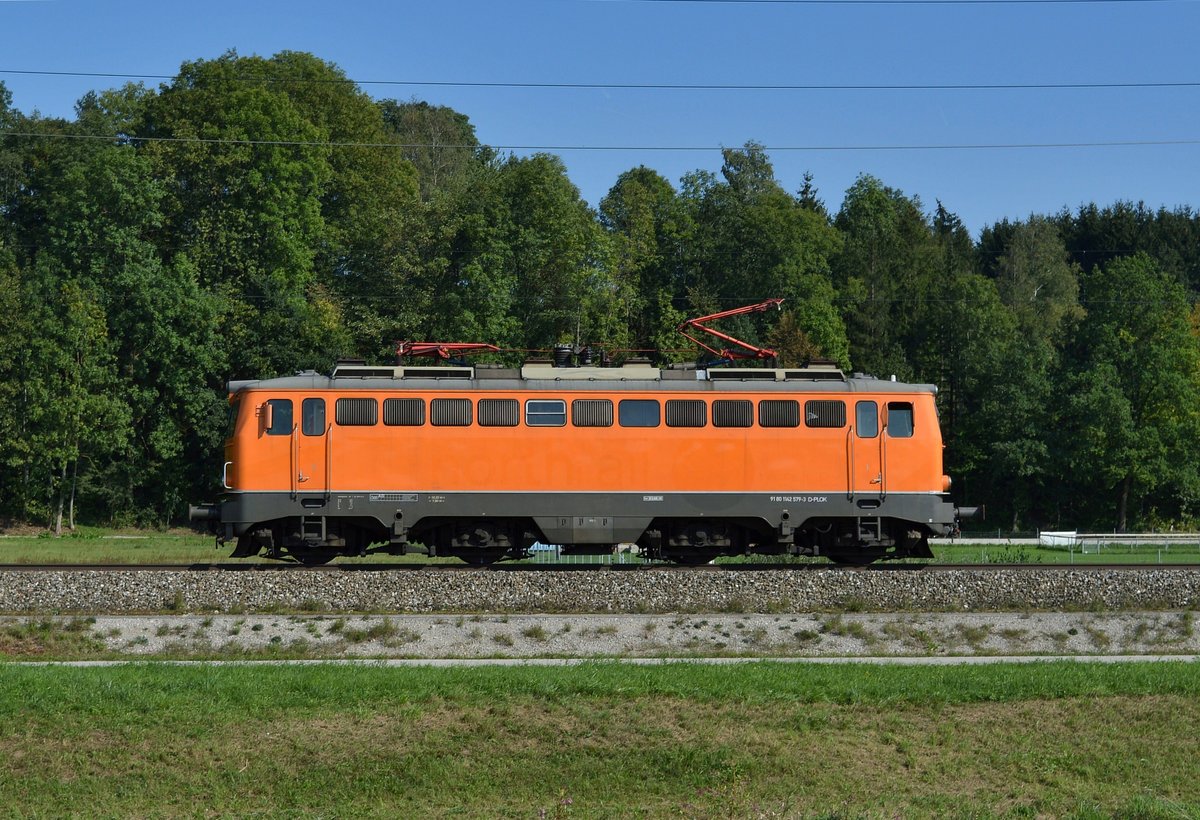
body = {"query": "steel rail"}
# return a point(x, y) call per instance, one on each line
point(708, 568)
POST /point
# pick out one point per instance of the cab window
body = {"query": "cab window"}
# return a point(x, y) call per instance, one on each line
point(312, 417)
point(231, 420)
point(281, 417)
point(866, 414)
point(899, 419)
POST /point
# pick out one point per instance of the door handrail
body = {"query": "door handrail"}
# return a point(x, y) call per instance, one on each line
point(883, 462)
point(328, 460)
point(294, 453)
point(850, 463)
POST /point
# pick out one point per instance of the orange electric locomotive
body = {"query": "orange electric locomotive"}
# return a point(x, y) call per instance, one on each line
point(482, 462)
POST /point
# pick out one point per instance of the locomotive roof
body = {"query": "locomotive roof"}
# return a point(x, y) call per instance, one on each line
point(627, 379)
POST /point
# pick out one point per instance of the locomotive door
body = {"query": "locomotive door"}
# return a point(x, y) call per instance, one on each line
point(312, 441)
point(866, 465)
point(276, 450)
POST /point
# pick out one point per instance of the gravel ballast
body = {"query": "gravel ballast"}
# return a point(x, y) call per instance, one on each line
point(945, 634)
point(601, 591)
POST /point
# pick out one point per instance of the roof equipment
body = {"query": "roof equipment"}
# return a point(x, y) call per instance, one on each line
point(748, 351)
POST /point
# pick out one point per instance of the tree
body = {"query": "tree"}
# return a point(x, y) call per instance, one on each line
point(1131, 416)
point(1095, 236)
point(15, 336)
point(246, 171)
point(753, 241)
point(886, 275)
point(562, 292)
point(649, 228)
point(438, 141)
point(11, 175)
point(95, 221)
point(1038, 283)
point(465, 284)
point(81, 417)
point(368, 253)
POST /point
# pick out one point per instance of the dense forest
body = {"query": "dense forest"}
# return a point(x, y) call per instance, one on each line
point(254, 216)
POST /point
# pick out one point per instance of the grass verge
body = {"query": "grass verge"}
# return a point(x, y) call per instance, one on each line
point(97, 546)
point(94, 545)
point(602, 740)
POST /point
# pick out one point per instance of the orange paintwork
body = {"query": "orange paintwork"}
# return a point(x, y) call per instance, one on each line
point(596, 459)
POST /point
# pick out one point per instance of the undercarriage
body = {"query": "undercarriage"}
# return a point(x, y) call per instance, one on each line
point(313, 540)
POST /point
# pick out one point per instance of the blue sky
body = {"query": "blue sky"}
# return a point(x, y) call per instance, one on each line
point(626, 41)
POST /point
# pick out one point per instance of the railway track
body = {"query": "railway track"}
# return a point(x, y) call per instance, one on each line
point(536, 568)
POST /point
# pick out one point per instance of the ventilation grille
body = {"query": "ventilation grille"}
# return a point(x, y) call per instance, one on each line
point(686, 413)
point(451, 412)
point(742, 374)
point(404, 412)
point(732, 413)
point(351, 371)
point(435, 372)
point(824, 413)
point(779, 413)
point(357, 412)
point(592, 413)
point(499, 412)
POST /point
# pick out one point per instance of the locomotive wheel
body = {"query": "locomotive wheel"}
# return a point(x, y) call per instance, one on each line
point(314, 557)
point(855, 558)
point(481, 556)
point(694, 557)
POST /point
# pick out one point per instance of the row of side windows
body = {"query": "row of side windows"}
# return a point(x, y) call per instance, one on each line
point(828, 413)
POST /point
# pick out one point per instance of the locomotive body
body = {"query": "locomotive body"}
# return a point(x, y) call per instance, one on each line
point(482, 462)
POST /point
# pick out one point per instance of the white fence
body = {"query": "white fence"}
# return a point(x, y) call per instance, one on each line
point(1097, 542)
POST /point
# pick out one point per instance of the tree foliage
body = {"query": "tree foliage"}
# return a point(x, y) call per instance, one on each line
point(254, 216)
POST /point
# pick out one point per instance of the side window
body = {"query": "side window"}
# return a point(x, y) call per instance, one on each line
point(866, 414)
point(231, 419)
point(404, 412)
point(825, 413)
point(899, 419)
point(498, 412)
point(356, 412)
point(450, 412)
point(779, 413)
point(545, 413)
point(733, 413)
point(312, 417)
point(592, 413)
point(687, 413)
point(281, 417)
point(638, 413)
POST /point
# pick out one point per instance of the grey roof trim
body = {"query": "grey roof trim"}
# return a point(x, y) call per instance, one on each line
point(850, 385)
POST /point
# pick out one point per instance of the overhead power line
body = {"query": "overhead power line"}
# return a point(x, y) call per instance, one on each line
point(911, 2)
point(586, 86)
point(983, 146)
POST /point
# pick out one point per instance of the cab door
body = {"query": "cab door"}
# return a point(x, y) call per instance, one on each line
point(866, 455)
point(906, 458)
point(313, 438)
point(269, 463)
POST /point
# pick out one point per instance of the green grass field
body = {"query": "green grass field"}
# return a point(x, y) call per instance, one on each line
point(1028, 554)
point(91, 545)
point(100, 546)
point(603, 740)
